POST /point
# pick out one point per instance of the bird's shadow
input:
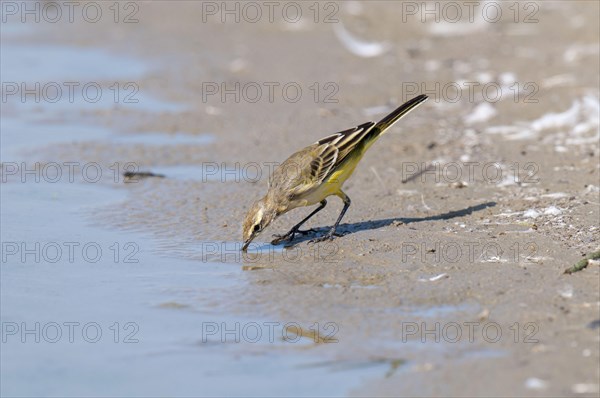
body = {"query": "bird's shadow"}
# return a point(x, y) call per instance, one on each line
point(351, 228)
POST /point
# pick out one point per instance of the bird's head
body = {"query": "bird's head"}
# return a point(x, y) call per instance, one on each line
point(260, 215)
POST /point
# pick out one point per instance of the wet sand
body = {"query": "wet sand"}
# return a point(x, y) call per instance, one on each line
point(483, 253)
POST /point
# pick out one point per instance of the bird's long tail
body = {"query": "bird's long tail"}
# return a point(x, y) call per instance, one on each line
point(396, 115)
point(388, 121)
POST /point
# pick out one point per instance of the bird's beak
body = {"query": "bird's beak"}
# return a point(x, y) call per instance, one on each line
point(247, 241)
point(245, 246)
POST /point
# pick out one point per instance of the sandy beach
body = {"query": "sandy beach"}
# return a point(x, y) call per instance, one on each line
point(449, 279)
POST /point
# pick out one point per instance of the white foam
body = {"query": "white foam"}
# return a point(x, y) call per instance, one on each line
point(574, 123)
point(555, 120)
point(485, 77)
point(482, 113)
point(566, 291)
point(558, 80)
point(434, 278)
point(556, 195)
point(576, 51)
point(531, 213)
point(533, 383)
point(507, 214)
point(358, 47)
point(560, 149)
point(552, 211)
point(585, 388)
point(508, 78)
point(592, 188)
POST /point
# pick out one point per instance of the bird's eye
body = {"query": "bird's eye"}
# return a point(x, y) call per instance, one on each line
point(256, 228)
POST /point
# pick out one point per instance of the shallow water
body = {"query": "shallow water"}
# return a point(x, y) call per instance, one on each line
point(166, 343)
point(152, 298)
point(149, 327)
point(88, 310)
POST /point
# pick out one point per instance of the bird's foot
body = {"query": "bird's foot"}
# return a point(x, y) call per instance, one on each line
point(290, 236)
point(328, 236)
point(282, 238)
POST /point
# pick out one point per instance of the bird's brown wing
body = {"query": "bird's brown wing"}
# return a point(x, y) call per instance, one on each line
point(337, 147)
point(323, 162)
point(309, 167)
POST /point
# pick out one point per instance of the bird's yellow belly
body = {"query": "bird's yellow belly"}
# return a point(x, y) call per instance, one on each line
point(333, 185)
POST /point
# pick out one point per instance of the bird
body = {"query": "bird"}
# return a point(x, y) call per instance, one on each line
point(312, 174)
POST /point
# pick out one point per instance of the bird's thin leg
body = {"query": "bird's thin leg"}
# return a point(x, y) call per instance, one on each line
point(331, 233)
point(296, 228)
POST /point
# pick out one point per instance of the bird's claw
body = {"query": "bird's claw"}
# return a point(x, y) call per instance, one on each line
point(326, 237)
point(282, 238)
point(320, 239)
point(290, 236)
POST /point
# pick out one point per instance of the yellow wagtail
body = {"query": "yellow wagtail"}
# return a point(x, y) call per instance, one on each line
point(312, 174)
